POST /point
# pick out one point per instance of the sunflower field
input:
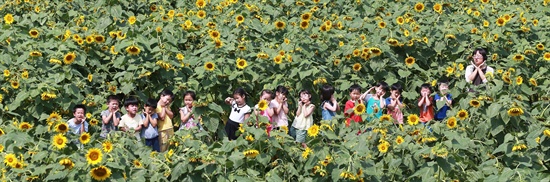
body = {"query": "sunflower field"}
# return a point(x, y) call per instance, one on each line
point(56, 54)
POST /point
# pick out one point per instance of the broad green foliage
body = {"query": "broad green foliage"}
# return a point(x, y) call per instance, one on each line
point(55, 54)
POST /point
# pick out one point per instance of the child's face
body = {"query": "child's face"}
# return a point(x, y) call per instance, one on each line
point(280, 96)
point(354, 95)
point(113, 105)
point(395, 94)
point(131, 109)
point(425, 91)
point(443, 87)
point(188, 100)
point(148, 109)
point(79, 115)
point(165, 100)
point(239, 99)
point(380, 91)
point(266, 97)
point(304, 97)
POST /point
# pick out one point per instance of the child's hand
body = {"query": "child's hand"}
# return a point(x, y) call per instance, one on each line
point(228, 99)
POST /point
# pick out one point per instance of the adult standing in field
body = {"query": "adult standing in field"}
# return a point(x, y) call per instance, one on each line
point(165, 126)
point(477, 70)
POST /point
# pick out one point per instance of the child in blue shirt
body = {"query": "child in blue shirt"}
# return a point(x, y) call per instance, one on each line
point(375, 102)
point(150, 121)
point(443, 95)
point(329, 105)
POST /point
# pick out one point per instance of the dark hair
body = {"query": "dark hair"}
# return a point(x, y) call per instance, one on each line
point(151, 103)
point(241, 92)
point(354, 87)
point(130, 101)
point(481, 51)
point(426, 85)
point(326, 92)
point(266, 91)
point(113, 97)
point(397, 86)
point(190, 93)
point(167, 92)
point(384, 85)
point(444, 80)
point(304, 91)
point(282, 90)
point(79, 106)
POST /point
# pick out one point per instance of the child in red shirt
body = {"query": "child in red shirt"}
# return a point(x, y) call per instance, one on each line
point(354, 94)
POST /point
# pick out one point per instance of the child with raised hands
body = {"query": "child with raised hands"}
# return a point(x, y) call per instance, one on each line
point(239, 112)
point(394, 103)
point(304, 118)
point(375, 101)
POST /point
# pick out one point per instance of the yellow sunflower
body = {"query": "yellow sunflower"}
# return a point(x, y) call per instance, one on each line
point(485, 23)
point(239, 19)
point(419, 7)
point(201, 14)
point(500, 22)
point(25, 126)
point(375, 51)
point(133, 50)
point(475, 103)
point(94, 121)
point(451, 122)
point(519, 80)
point(515, 111)
point(94, 156)
point(214, 34)
point(546, 56)
point(6, 73)
point(278, 59)
point(251, 153)
point(69, 58)
point(306, 16)
point(200, 4)
point(518, 57)
point(546, 132)
point(8, 18)
point(84, 138)
point(68, 163)
point(209, 66)
point(306, 152)
point(438, 8)
point(385, 117)
point(89, 39)
point(249, 138)
point(34, 33)
point(533, 82)
point(336, 62)
point(35, 54)
point(400, 20)
point(506, 78)
point(392, 42)
point(399, 140)
point(381, 24)
point(540, 46)
point(14, 84)
point(25, 74)
point(280, 25)
point(313, 131)
point(99, 38)
point(462, 114)
point(359, 109)
point(132, 20)
point(107, 146)
point(241, 63)
point(137, 163)
point(218, 43)
point(59, 141)
point(284, 129)
point(10, 160)
point(61, 128)
point(263, 105)
point(413, 119)
point(100, 173)
point(383, 147)
point(409, 61)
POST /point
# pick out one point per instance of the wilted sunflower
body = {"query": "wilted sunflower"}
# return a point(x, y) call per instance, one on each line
point(393, 42)
point(278, 59)
point(14, 84)
point(99, 38)
point(462, 114)
point(84, 138)
point(383, 147)
point(133, 50)
point(399, 140)
point(356, 67)
point(313, 131)
point(35, 54)
point(419, 7)
point(209, 66)
point(69, 58)
point(438, 8)
point(280, 25)
point(409, 61)
point(67, 163)
point(376, 51)
point(519, 80)
point(34, 33)
point(413, 119)
point(400, 20)
point(107, 146)
point(251, 153)
point(100, 173)
point(94, 156)
point(263, 105)
point(25, 126)
point(518, 57)
point(59, 141)
point(515, 111)
point(451, 122)
point(475, 103)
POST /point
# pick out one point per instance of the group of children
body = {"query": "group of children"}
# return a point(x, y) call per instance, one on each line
point(154, 122)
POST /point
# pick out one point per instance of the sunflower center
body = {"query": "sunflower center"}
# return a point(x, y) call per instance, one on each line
point(59, 141)
point(100, 172)
point(94, 156)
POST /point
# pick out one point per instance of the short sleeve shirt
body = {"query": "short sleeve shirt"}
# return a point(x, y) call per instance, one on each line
point(149, 132)
point(238, 113)
point(75, 128)
point(129, 122)
point(106, 128)
point(164, 124)
point(281, 119)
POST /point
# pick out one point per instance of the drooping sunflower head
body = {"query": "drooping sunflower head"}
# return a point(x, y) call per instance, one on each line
point(518, 57)
point(35, 54)
point(99, 38)
point(376, 51)
point(133, 50)
point(385, 117)
point(67, 163)
point(515, 111)
point(100, 173)
point(251, 153)
point(533, 82)
point(438, 8)
point(546, 56)
point(25, 126)
point(393, 42)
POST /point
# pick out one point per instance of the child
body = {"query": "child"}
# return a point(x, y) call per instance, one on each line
point(78, 124)
point(239, 112)
point(375, 102)
point(186, 115)
point(266, 95)
point(150, 118)
point(303, 119)
point(111, 116)
point(280, 107)
point(165, 126)
point(394, 103)
point(446, 97)
point(425, 103)
point(329, 105)
point(354, 94)
point(131, 121)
